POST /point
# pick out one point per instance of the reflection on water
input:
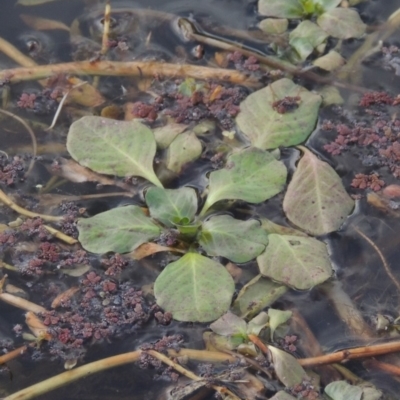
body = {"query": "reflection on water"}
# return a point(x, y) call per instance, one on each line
point(365, 289)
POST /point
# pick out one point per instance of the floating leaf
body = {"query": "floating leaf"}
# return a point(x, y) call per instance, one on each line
point(274, 25)
point(281, 8)
point(276, 318)
point(119, 230)
point(257, 294)
point(239, 241)
point(172, 206)
point(250, 175)
point(148, 249)
point(287, 368)
point(342, 23)
point(165, 135)
point(266, 128)
point(341, 390)
point(316, 200)
point(194, 288)
point(330, 95)
point(271, 227)
point(306, 37)
point(296, 261)
point(42, 24)
point(121, 148)
point(185, 148)
point(329, 62)
point(230, 325)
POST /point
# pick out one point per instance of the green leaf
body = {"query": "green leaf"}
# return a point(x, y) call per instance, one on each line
point(342, 23)
point(194, 288)
point(238, 241)
point(306, 37)
point(326, 5)
point(120, 230)
point(280, 8)
point(287, 368)
point(257, 324)
point(341, 390)
point(230, 325)
point(165, 135)
point(250, 175)
point(172, 206)
point(271, 227)
point(316, 200)
point(266, 128)
point(329, 62)
point(121, 148)
point(185, 148)
point(276, 318)
point(274, 26)
point(296, 261)
point(257, 294)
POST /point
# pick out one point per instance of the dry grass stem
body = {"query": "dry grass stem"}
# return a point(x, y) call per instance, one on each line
point(11, 355)
point(31, 134)
point(8, 202)
point(61, 236)
point(19, 302)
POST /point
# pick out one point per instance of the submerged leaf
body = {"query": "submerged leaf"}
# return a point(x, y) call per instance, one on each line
point(342, 23)
point(341, 390)
point(267, 128)
point(238, 241)
point(257, 324)
point(257, 294)
point(271, 227)
point(172, 206)
point(316, 200)
point(121, 148)
point(229, 325)
point(296, 261)
point(280, 8)
point(194, 288)
point(281, 395)
point(287, 368)
point(274, 25)
point(327, 5)
point(165, 135)
point(251, 175)
point(119, 230)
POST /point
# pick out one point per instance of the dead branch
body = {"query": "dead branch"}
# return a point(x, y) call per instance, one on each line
point(130, 68)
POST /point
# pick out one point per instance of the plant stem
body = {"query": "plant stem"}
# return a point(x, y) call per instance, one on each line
point(130, 68)
point(61, 236)
point(19, 302)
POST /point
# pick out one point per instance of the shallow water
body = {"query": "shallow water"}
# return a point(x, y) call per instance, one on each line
point(358, 267)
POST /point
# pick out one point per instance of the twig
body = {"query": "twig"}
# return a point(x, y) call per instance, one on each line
point(381, 366)
point(11, 355)
point(31, 134)
point(8, 202)
point(7, 266)
point(257, 341)
point(203, 355)
point(59, 235)
point(189, 374)
point(19, 302)
point(381, 256)
point(130, 68)
point(351, 354)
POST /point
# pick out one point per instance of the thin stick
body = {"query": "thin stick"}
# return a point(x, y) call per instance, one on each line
point(59, 235)
point(11, 51)
point(106, 28)
point(189, 374)
point(31, 134)
point(381, 256)
point(19, 302)
point(8, 202)
point(68, 377)
point(351, 354)
point(7, 266)
point(203, 355)
point(130, 68)
point(256, 340)
point(11, 355)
